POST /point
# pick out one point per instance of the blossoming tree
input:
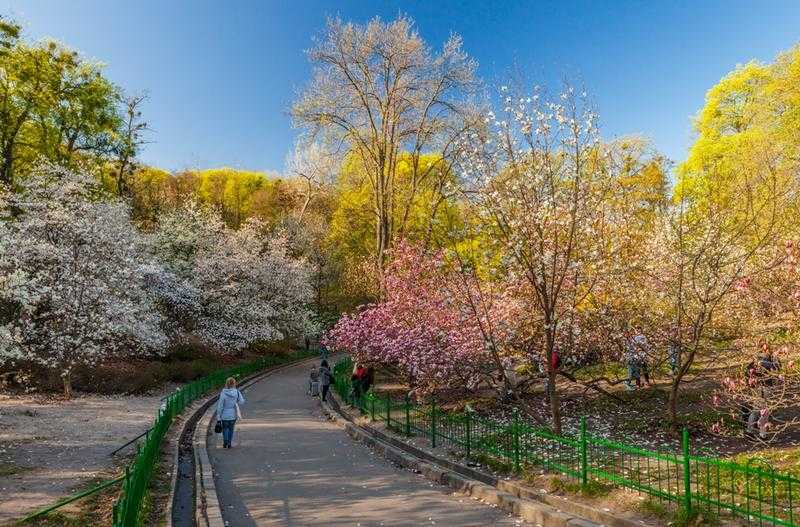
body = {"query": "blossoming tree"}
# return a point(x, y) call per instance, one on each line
point(534, 176)
point(230, 288)
point(420, 327)
point(71, 276)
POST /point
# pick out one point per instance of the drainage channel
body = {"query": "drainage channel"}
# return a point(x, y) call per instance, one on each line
point(184, 497)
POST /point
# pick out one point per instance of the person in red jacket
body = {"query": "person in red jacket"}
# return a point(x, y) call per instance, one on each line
point(357, 379)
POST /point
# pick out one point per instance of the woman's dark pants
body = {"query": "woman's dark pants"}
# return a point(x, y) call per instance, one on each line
point(227, 432)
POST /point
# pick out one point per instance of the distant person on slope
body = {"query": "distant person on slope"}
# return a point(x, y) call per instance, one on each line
point(325, 379)
point(228, 410)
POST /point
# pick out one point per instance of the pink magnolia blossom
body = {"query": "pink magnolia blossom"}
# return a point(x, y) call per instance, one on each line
point(420, 327)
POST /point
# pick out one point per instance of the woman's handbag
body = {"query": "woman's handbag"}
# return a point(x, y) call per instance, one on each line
point(218, 427)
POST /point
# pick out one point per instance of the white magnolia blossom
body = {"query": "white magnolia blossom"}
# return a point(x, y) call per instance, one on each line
point(71, 276)
point(230, 288)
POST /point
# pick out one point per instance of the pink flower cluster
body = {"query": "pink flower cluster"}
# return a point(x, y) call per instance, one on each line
point(421, 327)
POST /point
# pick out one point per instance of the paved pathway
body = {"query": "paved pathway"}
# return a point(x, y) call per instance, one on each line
point(290, 467)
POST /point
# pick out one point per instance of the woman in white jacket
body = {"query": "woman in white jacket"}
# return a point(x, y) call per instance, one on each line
point(227, 405)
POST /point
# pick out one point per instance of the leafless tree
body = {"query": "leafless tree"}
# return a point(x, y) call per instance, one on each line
point(379, 92)
point(130, 139)
point(316, 167)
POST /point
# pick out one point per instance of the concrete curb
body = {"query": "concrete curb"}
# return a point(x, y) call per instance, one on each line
point(208, 509)
point(536, 507)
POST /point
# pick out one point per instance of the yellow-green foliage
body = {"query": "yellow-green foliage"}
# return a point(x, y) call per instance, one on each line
point(750, 124)
point(237, 194)
point(418, 210)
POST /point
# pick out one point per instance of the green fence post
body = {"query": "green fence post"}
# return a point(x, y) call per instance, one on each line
point(388, 411)
point(584, 465)
point(433, 423)
point(515, 435)
point(468, 430)
point(127, 509)
point(408, 417)
point(372, 406)
point(687, 475)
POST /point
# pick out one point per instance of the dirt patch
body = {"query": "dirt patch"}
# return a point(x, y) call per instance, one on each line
point(50, 448)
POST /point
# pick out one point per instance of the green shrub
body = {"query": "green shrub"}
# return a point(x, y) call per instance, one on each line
point(185, 371)
point(592, 489)
point(655, 508)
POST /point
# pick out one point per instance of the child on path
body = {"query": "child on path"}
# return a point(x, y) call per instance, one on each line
point(325, 379)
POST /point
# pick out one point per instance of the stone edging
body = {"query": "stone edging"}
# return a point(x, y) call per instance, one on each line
point(208, 509)
point(536, 507)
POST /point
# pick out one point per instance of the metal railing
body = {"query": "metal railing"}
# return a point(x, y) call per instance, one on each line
point(129, 506)
point(754, 492)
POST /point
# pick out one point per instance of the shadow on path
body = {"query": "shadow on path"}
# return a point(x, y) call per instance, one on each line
point(290, 467)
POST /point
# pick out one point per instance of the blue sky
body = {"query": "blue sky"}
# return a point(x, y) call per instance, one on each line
point(222, 75)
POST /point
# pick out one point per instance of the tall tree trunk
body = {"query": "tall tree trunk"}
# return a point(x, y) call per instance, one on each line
point(672, 404)
point(122, 187)
point(555, 403)
point(552, 392)
point(6, 171)
point(383, 236)
point(674, 389)
point(66, 377)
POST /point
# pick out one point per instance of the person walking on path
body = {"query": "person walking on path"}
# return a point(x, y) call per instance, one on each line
point(228, 410)
point(325, 378)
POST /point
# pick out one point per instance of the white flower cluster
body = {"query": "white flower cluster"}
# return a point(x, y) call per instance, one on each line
point(71, 281)
point(230, 288)
point(79, 283)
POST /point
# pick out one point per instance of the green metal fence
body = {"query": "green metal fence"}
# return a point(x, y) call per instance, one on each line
point(754, 492)
point(129, 506)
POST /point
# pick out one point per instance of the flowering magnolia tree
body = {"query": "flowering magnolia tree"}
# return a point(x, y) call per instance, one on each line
point(710, 246)
point(768, 304)
point(535, 177)
point(71, 276)
point(420, 327)
point(230, 288)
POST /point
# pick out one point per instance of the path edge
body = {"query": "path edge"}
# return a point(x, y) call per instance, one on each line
point(532, 506)
point(208, 509)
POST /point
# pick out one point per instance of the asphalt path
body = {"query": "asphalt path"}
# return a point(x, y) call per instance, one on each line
point(289, 466)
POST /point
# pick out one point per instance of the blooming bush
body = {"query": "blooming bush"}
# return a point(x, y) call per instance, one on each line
point(230, 288)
